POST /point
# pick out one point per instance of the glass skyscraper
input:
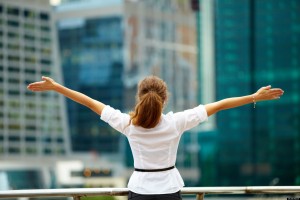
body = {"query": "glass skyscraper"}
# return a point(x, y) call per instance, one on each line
point(258, 44)
point(91, 49)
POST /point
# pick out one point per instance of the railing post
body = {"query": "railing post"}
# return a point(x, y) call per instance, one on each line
point(76, 197)
point(200, 196)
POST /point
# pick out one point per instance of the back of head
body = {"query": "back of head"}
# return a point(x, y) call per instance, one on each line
point(151, 96)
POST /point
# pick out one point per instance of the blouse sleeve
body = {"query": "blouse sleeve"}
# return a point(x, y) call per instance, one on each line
point(115, 118)
point(190, 118)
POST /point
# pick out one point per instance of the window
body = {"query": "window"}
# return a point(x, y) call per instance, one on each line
point(12, 23)
point(45, 61)
point(13, 69)
point(45, 73)
point(13, 11)
point(44, 16)
point(31, 150)
point(29, 26)
point(29, 37)
point(30, 139)
point(13, 92)
point(29, 93)
point(29, 14)
point(13, 80)
point(12, 35)
point(13, 46)
point(14, 138)
point(30, 71)
point(46, 40)
point(31, 49)
point(45, 28)
point(60, 140)
point(14, 58)
point(30, 105)
point(47, 151)
point(30, 60)
point(14, 150)
point(14, 126)
point(46, 51)
point(30, 116)
point(30, 128)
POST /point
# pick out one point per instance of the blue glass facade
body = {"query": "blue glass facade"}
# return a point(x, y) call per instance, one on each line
point(92, 63)
point(257, 44)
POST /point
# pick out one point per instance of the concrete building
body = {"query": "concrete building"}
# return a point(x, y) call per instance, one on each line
point(33, 128)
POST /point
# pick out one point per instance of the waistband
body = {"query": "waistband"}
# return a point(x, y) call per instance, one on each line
point(154, 170)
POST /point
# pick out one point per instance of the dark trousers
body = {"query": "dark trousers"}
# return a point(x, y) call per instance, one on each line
point(172, 196)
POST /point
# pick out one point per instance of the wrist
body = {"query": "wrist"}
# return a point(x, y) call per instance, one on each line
point(254, 99)
point(55, 86)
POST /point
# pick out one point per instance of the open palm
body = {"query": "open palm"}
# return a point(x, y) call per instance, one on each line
point(45, 85)
point(268, 93)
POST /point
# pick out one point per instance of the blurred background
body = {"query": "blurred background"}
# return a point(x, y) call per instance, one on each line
point(205, 50)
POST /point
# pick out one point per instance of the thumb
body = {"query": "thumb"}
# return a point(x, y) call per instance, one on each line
point(44, 78)
point(268, 87)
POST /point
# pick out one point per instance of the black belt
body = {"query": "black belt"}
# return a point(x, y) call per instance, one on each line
point(154, 170)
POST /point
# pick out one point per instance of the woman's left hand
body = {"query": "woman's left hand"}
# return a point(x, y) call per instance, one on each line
point(268, 93)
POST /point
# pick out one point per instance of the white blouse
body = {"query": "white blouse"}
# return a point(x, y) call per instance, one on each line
point(155, 148)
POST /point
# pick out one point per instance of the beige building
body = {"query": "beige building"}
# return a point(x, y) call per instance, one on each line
point(161, 39)
point(169, 39)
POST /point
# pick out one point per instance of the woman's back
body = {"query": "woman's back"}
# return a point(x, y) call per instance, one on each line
point(155, 148)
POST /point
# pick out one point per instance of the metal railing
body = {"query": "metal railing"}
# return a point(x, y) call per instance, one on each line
point(77, 193)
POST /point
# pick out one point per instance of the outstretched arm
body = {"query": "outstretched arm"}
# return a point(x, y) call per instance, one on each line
point(263, 94)
point(49, 84)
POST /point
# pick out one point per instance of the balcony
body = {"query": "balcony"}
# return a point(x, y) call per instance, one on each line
point(77, 193)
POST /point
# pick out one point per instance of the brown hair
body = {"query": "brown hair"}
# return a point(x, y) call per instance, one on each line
point(151, 96)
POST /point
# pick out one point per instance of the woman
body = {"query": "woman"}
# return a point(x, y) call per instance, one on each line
point(154, 136)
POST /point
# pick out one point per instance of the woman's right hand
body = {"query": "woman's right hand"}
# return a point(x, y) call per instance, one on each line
point(45, 85)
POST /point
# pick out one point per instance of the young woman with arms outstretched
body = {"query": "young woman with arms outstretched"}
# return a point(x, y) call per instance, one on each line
point(154, 136)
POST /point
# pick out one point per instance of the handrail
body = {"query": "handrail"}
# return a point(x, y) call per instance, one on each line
point(76, 193)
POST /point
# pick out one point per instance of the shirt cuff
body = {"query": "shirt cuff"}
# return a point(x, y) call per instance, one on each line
point(202, 113)
point(106, 113)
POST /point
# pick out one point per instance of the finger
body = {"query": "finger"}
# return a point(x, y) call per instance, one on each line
point(39, 82)
point(276, 97)
point(35, 86)
point(276, 89)
point(276, 92)
point(36, 89)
